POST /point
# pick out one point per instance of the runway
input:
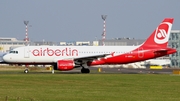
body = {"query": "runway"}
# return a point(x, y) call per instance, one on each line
point(134, 71)
point(95, 70)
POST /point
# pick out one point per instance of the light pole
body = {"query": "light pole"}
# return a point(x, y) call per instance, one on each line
point(26, 37)
point(104, 29)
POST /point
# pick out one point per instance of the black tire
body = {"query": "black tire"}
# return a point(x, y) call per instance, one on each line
point(26, 71)
point(83, 70)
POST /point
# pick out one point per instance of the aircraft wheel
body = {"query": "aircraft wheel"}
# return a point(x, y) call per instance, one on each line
point(83, 70)
point(53, 71)
point(26, 71)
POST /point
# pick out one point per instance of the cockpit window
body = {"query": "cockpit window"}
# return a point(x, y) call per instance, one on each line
point(14, 52)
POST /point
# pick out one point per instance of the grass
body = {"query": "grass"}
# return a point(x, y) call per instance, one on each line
point(89, 87)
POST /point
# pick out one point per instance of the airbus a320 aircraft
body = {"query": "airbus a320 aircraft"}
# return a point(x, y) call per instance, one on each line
point(69, 57)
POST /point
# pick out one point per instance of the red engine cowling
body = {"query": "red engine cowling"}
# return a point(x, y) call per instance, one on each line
point(65, 65)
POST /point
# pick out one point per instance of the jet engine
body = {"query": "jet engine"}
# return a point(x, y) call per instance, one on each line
point(65, 65)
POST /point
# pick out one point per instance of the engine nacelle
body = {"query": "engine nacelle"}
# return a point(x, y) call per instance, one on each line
point(65, 65)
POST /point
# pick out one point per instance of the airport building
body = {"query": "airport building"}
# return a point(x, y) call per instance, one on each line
point(122, 42)
point(174, 42)
point(75, 43)
point(43, 43)
point(108, 42)
point(7, 43)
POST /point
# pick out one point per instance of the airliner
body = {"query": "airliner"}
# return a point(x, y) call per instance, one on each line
point(66, 58)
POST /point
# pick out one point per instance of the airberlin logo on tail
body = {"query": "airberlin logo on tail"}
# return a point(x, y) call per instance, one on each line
point(162, 33)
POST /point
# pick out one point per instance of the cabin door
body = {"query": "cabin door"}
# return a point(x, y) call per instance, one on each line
point(26, 52)
point(140, 53)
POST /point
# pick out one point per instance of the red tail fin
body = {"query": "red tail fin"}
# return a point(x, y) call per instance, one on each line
point(161, 34)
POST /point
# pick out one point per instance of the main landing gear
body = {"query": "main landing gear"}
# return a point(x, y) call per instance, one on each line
point(85, 70)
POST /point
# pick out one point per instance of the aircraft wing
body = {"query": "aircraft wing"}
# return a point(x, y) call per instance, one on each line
point(85, 58)
point(90, 58)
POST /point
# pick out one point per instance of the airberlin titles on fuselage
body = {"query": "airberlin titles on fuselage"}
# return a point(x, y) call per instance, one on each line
point(55, 52)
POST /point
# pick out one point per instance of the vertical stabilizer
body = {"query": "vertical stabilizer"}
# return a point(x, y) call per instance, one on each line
point(161, 34)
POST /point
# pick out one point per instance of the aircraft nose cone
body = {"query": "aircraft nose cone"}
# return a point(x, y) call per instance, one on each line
point(5, 58)
point(1, 59)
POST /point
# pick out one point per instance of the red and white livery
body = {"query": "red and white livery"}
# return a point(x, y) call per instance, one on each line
point(69, 57)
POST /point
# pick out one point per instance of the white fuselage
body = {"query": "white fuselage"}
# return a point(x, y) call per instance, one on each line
point(51, 54)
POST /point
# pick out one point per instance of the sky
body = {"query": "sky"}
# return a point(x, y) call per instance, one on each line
point(80, 20)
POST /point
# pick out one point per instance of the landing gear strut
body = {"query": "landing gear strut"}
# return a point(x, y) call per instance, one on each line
point(85, 70)
point(26, 70)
